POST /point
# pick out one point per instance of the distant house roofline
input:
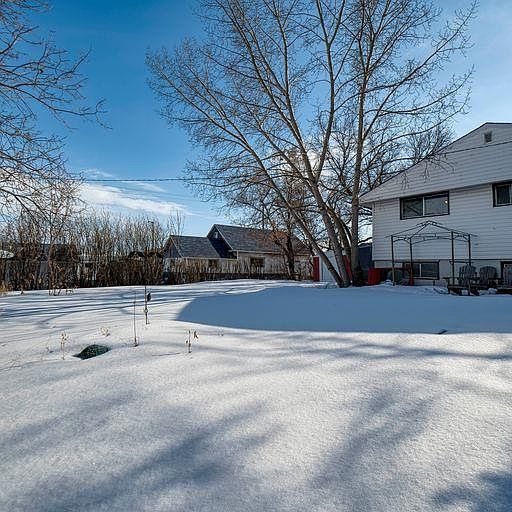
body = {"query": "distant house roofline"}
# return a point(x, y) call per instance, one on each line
point(235, 239)
point(260, 245)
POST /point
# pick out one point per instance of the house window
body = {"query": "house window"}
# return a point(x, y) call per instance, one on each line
point(502, 194)
point(425, 206)
point(213, 263)
point(257, 262)
point(505, 265)
point(425, 270)
point(487, 137)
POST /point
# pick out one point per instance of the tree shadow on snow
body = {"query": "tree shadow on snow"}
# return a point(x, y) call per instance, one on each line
point(367, 472)
point(170, 460)
point(352, 310)
point(38, 303)
point(492, 493)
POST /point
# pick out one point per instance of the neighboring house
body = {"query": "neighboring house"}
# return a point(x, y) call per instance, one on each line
point(26, 265)
point(467, 189)
point(255, 248)
point(227, 247)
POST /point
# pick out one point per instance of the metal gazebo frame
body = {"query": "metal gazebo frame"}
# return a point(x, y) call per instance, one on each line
point(420, 233)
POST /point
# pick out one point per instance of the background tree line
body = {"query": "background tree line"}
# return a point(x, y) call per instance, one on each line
point(81, 249)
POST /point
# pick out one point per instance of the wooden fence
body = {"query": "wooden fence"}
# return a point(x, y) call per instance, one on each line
point(24, 274)
point(182, 272)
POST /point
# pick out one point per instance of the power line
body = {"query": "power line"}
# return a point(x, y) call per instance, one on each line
point(441, 152)
point(120, 180)
point(156, 180)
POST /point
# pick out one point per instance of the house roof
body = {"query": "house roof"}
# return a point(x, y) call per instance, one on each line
point(194, 247)
point(244, 239)
point(465, 162)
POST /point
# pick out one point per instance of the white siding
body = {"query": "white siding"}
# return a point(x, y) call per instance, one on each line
point(275, 263)
point(325, 275)
point(487, 164)
point(471, 210)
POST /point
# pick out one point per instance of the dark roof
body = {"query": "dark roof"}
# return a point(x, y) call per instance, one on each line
point(153, 253)
point(193, 247)
point(255, 240)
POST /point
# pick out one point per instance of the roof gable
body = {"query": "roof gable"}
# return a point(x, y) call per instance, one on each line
point(468, 161)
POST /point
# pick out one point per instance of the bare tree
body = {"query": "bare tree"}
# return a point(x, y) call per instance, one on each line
point(35, 76)
point(275, 84)
point(398, 97)
point(259, 206)
point(62, 249)
point(380, 162)
point(175, 224)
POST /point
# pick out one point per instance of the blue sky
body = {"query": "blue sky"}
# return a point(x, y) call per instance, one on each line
point(140, 144)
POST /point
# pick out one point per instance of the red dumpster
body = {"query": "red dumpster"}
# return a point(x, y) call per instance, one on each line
point(374, 276)
point(316, 268)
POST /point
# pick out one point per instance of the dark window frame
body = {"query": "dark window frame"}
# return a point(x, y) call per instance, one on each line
point(495, 194)
point(422, 262)
point(423, 197)
point(502, 265)
point(259, 259)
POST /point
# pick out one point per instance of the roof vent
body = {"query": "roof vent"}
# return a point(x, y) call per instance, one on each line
point(487, 137)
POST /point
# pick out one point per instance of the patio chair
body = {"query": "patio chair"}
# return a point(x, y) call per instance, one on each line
point(505, 283)
point(486, 278)
point(465, 281)
point(402, 276)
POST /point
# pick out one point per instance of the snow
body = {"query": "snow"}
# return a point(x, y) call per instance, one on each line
point(296, 397)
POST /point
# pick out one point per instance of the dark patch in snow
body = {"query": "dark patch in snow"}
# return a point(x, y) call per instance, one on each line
point(492, 492)
point(442, 331)
point(92, 351)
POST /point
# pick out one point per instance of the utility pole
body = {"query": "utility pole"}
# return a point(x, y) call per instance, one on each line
point(152, 222)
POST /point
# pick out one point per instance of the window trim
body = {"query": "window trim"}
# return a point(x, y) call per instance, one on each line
point(422, 197)
point(502, 266)
point(495, 195)
point(261, 259)
point(407, 264)
point(435, 262)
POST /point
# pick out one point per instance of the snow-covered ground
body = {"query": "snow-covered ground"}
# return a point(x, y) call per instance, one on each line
point(296, 397)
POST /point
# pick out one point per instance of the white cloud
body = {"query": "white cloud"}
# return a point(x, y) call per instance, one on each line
point(129, 202)
point(95, 173)
point(150, 187)
point(132, 198)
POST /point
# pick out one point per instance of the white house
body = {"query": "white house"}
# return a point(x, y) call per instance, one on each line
point(237, 250)
point(466, 189)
